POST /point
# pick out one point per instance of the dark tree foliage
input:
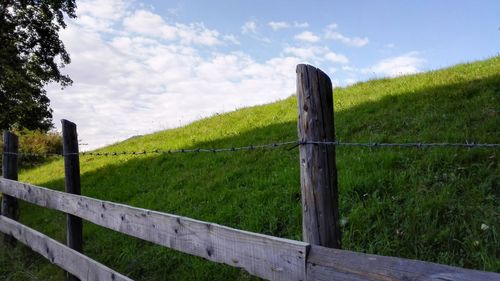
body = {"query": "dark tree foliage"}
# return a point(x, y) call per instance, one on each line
point(31, 55)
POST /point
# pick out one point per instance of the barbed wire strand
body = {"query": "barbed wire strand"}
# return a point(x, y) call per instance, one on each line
point(269, 146)
point(408, 144)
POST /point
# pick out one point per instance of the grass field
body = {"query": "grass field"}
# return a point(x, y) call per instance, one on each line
point(427, 204)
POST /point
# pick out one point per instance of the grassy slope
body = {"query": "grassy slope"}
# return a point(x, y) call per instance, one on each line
point(422, 204)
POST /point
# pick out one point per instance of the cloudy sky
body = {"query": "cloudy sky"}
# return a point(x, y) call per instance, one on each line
point(145, 66)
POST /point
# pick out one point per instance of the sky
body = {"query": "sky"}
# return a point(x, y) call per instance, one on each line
point(145, 66)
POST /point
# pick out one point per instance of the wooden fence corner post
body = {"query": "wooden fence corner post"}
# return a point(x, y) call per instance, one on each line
point(74, 228)
point(318, 171)
point(9, 206)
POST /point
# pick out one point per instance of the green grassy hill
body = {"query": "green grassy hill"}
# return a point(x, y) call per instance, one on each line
point(426, 204)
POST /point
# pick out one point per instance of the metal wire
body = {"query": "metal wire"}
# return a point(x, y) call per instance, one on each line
point(408, 144)
point(36, 154)
point(271, 146)
point(194, 150)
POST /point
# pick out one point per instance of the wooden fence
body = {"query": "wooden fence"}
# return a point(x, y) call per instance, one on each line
point(264, 256)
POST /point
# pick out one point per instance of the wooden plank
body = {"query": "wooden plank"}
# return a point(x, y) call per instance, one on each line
point(264, 256)
point(74, 224)
point(318, 172)
point(9, 206)
point(326, 264)
point(70, 260)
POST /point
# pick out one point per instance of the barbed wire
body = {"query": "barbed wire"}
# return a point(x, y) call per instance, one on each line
point(408, 144)
point(193, 150)
point(24, 154)
point(293, 145)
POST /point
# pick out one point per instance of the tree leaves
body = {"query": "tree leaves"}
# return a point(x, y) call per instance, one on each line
point(30, 50)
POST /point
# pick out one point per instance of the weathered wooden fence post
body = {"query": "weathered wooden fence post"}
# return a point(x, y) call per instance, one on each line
point(72, 185)
point(318, 171)
point(9, 171)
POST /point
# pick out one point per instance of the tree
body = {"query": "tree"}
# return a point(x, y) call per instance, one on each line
point(31, 55)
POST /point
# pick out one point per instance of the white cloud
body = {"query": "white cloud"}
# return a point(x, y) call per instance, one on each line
point(277, 25)
point(408, 63)
point(231, 38)
point(249, 27)
point(307, 54)
point(332, 26)
point(140, 78)
point(395, 66)
point(351, 68)
point(197, 33)
point(100, 14)
point(174, 11)
point(336, 58)
point(147, 23)
point(332, 33)
point(300, 24)
point(307, 36)
point(315, 54)
point(350, 41)
point(102, 9)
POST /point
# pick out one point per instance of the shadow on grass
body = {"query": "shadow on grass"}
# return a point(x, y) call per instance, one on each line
point(426, 204)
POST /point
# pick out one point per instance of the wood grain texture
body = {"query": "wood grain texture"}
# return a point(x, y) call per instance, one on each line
point(70, 260)
point(74, 224)
point(9, 171)
point(326, 264)
point(9, 206)
point(261, 255)
point(318, 172)
point(264, 256)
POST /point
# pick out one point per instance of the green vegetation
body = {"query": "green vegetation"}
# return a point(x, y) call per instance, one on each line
point(36, 142)
point(427, 204)
point(31, 57)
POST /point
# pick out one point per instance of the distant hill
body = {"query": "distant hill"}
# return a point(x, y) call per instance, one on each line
point(437, 204)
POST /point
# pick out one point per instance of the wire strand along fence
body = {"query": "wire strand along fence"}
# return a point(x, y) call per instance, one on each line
point(288, 144)
point(317, 258)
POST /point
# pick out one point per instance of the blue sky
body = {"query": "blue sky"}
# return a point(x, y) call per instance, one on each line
point(144, 66)
point(444, 32)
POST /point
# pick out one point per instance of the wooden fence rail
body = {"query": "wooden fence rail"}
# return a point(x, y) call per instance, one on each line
point(263, 256)
point(327, 264)
point(57, 253)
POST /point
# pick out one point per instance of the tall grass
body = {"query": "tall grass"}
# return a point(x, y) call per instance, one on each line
point(427, 204)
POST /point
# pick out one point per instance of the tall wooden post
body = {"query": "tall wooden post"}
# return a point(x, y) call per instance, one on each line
point(72, 185)
point(9, 171)
point(318, 172)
